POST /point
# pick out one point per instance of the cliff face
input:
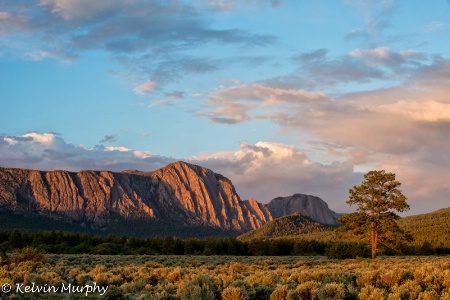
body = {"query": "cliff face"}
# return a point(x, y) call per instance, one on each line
point(185, 193)
point(208, 196)
point(307, 205)
point(180, 193)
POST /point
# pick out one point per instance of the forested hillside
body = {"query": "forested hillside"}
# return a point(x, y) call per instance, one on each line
point(292, 225)
point(430, 232)
point(433, 227)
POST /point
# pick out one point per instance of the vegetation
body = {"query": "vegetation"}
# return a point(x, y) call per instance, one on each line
point(78, 243)
point(432, 228)
point(430, 235)
point(139, 227)
point(378, 198)
point(291, 226)
point(59, 242)
point(235, 277)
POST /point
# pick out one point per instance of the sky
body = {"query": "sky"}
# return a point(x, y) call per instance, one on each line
point(279, 96)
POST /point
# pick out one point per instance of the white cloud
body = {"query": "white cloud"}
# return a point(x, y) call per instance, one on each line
point(428, 110)
point(142, 154)
point(83, 9)
point(386, 57)
point(45, 139)
point(230, 5)
point(47, 151)
point(223, 5)
point(145, 88)
point(234, 104)
point(263, 94)
point(120, 149)
point(161, 102)
point(266, 170)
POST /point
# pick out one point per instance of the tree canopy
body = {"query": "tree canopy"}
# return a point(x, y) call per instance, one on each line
point(377, 199)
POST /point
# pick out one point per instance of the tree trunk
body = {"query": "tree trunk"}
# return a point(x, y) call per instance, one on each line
point(374, 241)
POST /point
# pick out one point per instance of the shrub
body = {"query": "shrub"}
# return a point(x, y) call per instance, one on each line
point(307, 290)
point(367, 278)
point(234, 293)
point(243, 286)
point(114, 293)
point(200, 287)
point(351, 293)
point(391, 277)
point(174, 275)
point(262, 292)
point(279, 293)
point(428, 295)
point(371, 293)
point(254, 280)
point(408, 290)
point(445, 295)
point(28, 254)
point(331, 291)
point(292, 295)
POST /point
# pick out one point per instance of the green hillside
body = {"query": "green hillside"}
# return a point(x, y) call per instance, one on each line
point(433, 227)
point(293, 225)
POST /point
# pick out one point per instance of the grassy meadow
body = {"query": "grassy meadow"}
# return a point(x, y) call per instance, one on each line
point(233, 277)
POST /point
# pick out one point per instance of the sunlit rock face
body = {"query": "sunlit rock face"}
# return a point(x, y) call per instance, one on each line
point(180, 191)
point(183, 193)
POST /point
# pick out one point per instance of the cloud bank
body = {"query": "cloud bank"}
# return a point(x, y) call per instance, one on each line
point(402, 128)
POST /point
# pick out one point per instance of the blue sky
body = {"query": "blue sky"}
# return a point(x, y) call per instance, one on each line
point(279, 96)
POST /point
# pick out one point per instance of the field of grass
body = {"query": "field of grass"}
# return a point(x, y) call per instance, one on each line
point(233, 277)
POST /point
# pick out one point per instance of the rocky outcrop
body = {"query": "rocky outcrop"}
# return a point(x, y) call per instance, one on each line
point(307, 205)
point(208, 196)
point(181, 192)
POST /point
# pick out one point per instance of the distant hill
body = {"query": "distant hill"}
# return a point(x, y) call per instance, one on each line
point(292, 225)
point(432, 227)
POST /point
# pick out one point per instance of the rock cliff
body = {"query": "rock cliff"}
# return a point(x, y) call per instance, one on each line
point(181, 192)
point(180, 195)
point(307, 205)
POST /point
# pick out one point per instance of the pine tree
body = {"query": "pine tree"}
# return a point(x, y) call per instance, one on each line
point(378, 198)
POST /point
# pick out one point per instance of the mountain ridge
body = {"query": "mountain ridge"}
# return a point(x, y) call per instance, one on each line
point(181, 193)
